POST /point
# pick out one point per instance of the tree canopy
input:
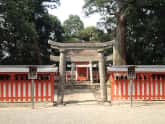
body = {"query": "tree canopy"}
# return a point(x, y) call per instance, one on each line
point(145, 39)
point(25, 28)
point(72, 26)
point(138, 28)
point(136, 25)
point(92, 33)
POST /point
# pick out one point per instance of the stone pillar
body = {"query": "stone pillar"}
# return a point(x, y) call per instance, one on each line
point(76, 74)
point(87, 73)
point(91, 71)
point(72, 72)
point(62, 69)
point(103, 85)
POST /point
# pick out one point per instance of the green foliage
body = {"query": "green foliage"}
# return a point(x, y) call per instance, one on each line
point(145, 26)
point(89, 33)
point(25, 28)
point(145, 40)
point(72, 26)
point(106, 8)
point(93, 34)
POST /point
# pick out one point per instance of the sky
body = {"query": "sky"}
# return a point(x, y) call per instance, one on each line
point(74, 7)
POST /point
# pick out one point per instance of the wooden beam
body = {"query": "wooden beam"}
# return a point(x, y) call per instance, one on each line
point(80, 58)
point(109, 58)
point(75, 58)
point(54, 58)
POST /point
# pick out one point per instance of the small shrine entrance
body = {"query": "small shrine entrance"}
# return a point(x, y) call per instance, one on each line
point(82, 74)
point(81, 55)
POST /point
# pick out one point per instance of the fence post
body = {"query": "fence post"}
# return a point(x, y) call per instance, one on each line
point(131, 76)
point(33, 93)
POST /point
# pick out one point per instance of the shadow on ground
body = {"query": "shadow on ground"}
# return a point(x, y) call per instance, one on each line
point(80, 102)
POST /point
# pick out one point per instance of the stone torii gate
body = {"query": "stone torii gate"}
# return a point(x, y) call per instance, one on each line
point(65, 48)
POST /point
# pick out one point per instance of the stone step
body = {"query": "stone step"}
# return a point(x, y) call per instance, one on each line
point(81, 85)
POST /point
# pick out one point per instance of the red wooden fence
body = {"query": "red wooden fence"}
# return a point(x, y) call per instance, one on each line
point(149, 84)
point(15, 86)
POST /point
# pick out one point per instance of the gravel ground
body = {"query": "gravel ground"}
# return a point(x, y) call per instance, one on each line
point(85, 114)
point(82, 108)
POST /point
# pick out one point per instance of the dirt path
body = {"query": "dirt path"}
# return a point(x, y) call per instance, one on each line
point(80, 96)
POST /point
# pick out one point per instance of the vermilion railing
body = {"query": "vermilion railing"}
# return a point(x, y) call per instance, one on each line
point(15, 87)
point(148, 85)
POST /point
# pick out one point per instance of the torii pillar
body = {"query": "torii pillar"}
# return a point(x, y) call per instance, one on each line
point(62, 69)
point(103, 86)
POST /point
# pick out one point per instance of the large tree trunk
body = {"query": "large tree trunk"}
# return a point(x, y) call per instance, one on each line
point(119, 47)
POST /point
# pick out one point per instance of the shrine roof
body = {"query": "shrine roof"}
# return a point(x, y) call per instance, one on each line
point(25, 68)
